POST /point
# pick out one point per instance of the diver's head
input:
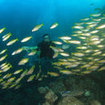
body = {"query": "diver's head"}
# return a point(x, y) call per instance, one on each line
point(46, 38)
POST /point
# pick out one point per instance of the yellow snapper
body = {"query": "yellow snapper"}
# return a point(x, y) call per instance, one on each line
point(37, 27)
point(32, 53)
point(54, 25)
point(2, 58)
point(65, 37)
point(31, 78)
point(18, 71)
point(101, 26)
point(1, 30)
point(26, 39)
point(17, 51)
point(53, 74)
point(3, 51)
point(12, 42)
point(57, 42)
point(5, 37)
point(23, 61)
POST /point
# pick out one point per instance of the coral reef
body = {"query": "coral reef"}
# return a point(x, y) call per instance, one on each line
point(95, 102)
point(69, 101)
point(66, 90)
point(49, 95)
point(73, 90)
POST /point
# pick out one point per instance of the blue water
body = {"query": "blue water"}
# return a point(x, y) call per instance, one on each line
point(20, 16)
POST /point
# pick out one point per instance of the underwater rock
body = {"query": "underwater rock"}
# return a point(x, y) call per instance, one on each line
point(73, 83)
point(51, 97)
point(43, 90)
point(69, 101)
point(46, 103)
point(58, 86)
point(95, 102)
point(79, 88)
point(73, 93)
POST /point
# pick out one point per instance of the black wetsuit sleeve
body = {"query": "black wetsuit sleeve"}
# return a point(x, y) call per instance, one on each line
point(39, 45)
point(52, 44)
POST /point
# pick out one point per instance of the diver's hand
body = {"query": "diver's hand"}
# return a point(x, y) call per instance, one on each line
point(33, 48)
point(26, 48)
point(29, 49)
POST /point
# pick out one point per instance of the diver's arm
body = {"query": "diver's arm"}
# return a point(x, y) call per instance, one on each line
point(27, 48)
point(34, 48)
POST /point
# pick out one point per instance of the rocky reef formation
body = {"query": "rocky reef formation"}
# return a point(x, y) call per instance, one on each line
point(73, 90)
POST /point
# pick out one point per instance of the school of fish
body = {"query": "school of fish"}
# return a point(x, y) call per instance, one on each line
point(87, 38)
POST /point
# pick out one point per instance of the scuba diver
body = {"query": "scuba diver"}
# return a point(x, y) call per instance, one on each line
point(44, 54)
point(44, 48)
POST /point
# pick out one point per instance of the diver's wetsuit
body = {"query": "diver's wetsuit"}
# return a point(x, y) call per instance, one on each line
point(45, 50)
point(46, 56)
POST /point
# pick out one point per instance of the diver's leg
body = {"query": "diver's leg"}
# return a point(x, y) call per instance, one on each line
point(46, 65)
